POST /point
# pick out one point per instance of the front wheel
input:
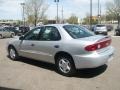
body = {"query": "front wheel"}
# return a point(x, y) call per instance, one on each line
point(65, 66)
point(12, 35)
point(13, 53)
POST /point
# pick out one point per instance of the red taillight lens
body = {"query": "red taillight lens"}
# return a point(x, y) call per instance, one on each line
point(98, 45)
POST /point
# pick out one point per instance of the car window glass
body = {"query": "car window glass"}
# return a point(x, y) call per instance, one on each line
point(7, 30)
point(77, 31)
point(50, 33)
point(100, 25)
point(33, 35)
point(1, 30)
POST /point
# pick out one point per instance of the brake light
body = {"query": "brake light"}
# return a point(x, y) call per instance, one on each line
point(98, 45)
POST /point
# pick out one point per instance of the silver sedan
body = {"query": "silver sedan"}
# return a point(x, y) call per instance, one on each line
point(4, 33)
point(69, 47)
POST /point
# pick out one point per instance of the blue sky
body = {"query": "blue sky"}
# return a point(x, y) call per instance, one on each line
point(11, 9)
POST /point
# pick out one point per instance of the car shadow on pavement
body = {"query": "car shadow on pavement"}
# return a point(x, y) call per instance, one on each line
point(84, 73)
point(91, 73)
point(40, 64)
point(4, 88)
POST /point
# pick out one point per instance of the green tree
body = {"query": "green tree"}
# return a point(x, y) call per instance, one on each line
point(73, 19)
point(113, 10)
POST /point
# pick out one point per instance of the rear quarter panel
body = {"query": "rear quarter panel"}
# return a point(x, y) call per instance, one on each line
point(75, 47)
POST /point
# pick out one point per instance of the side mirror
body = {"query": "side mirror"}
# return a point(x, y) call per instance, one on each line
point(21, 38)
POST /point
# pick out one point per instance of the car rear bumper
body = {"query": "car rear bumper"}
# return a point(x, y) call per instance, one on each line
point(93, 60)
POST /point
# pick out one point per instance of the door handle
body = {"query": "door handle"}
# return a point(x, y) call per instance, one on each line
point(56, 46)
point(32, 45)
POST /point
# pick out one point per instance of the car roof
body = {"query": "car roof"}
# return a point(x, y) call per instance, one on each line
point(101, 25)
point(56, 25)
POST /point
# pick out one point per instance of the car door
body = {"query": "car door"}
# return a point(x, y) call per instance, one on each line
point(49, 43)
point(27, 47)
point(7, 33)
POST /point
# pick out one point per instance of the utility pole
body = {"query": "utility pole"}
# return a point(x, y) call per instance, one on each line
point(100, 14)
point(99, 11)
point(90, 14)
point(62, 16)
point(23, 13)
point(57, 2)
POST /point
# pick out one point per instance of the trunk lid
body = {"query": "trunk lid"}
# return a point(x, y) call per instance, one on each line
point(94, 38)
point(97, 43)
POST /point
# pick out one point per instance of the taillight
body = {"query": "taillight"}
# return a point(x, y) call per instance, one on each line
point(98, 45)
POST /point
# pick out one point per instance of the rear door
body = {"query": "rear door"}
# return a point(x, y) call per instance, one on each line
point(49, 43)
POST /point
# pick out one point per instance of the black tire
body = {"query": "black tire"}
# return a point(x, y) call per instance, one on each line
point(12, 35)
point(1, 37)
point(71, 65)
point(115, 34)
point(13, 50)
point(106, 33)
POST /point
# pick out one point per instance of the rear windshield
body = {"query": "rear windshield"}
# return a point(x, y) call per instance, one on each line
point(100, 25)
point(76, 31)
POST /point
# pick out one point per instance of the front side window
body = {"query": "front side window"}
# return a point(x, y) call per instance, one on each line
point(33, 35)
point(1, 30)
point(6, 30)
point(50, 33)
point(77, 32)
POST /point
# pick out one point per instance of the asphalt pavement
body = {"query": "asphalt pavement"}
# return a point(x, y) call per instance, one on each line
point(27, 74)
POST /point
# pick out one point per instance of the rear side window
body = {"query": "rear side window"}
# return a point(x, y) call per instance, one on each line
point(77, 32)
point(100, 25)
point(50, 33)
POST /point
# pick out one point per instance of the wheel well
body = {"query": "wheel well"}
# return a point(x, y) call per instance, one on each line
point(62, 53)
point(11, 46)
point(12, 33)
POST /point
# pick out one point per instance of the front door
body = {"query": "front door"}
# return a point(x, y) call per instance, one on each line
point(29, 43)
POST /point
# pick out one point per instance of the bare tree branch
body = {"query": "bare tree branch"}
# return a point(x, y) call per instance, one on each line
point(35, 10)
point(113, 8)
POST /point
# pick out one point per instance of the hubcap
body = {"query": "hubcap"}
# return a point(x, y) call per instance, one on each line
point(12, 53)
point(64, 65)
point(12, 35)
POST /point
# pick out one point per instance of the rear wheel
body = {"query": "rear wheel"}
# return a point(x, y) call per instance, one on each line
point(65, 65)
point(13, 53)
point(116, 33)
point(1, 37)
point(106, 33)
